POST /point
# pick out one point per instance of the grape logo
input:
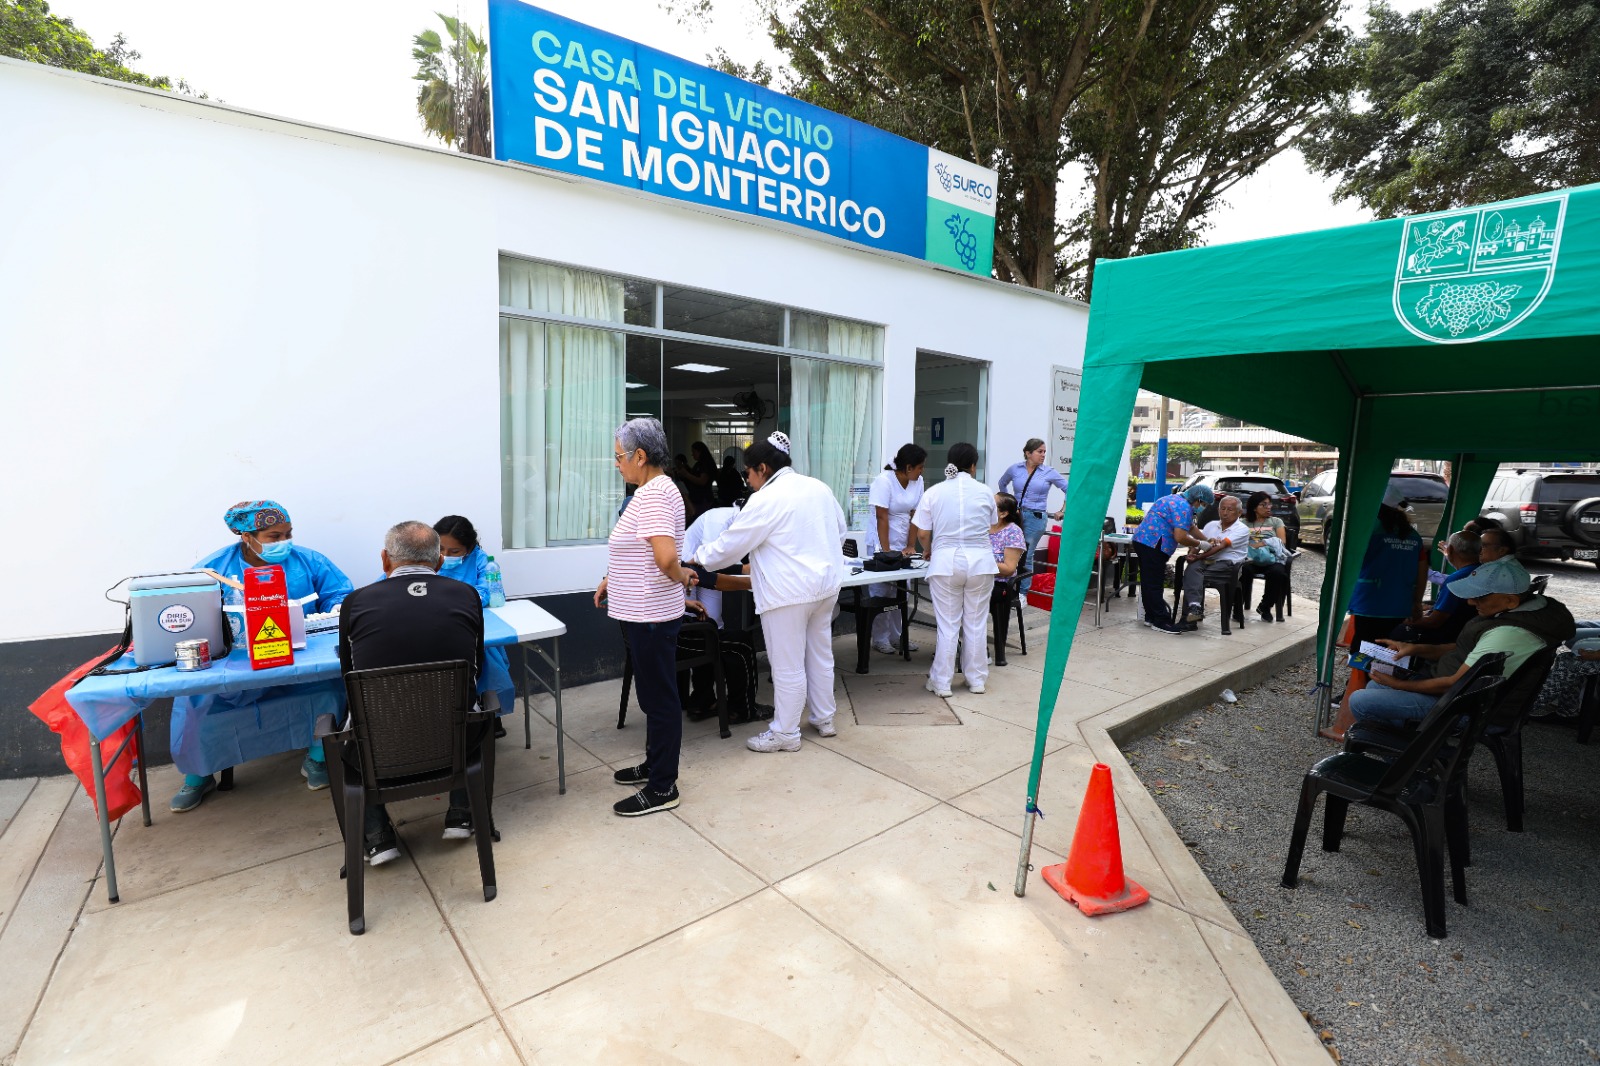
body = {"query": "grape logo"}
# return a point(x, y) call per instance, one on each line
point(1466, 276)
point(966, 240)
point(944, 176)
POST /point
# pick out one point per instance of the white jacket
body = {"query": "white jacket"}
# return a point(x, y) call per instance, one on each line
point(957, 514)
point(791, 529)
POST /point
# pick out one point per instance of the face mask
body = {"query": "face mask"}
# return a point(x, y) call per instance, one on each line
point(452, 561)
point(276, 552)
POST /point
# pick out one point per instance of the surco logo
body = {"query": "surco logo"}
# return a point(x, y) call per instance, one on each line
point(1466, 276)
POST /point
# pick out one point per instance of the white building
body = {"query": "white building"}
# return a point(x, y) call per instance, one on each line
point(200, 305)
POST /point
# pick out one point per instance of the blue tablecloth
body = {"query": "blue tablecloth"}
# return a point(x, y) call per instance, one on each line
point(109, 701)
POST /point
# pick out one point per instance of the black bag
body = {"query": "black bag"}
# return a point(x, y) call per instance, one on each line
point(882, 561)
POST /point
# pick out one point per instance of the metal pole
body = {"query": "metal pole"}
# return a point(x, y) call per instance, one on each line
point(1023, 866)
point(1332, 637)
point(1161, 453)
point(105, 822)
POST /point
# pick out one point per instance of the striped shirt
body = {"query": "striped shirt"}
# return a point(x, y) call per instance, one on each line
point(636, 591)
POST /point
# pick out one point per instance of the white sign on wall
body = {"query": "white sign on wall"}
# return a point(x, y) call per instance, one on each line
point(1065, 385)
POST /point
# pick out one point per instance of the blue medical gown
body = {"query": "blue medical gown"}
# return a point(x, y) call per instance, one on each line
point(496, 664)
point(211, 733)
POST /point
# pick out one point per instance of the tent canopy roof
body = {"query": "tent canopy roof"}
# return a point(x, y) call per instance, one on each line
point(1384, 309)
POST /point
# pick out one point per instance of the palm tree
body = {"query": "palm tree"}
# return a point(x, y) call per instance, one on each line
point(454, 98)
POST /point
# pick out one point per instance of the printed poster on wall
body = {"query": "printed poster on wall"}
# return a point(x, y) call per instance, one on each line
point(571, 98)
point(1065, 385)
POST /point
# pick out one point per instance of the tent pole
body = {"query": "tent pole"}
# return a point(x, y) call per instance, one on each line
point(1331, 624)
point(1023, 866)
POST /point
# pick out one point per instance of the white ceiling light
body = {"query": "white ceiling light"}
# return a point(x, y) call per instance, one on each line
point(635, 385)
point(699, 368)
point(721, 405)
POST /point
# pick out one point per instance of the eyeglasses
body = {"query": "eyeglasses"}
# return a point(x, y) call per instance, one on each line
point(616, 457)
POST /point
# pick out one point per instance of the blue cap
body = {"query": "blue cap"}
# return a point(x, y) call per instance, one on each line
point(1200, 494)
point(1502, 576)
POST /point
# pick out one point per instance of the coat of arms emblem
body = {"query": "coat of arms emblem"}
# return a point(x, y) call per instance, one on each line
point(1470, 275)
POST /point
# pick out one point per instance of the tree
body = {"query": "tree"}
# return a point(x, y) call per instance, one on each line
point(1468, 101)
point(1165, 105)
point(29, 31)
point(454, 99)
point(1176, 453)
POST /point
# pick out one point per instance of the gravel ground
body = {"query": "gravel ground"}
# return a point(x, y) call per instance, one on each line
point(1516, 980)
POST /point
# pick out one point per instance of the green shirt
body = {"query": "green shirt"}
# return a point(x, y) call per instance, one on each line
point(1516, 642)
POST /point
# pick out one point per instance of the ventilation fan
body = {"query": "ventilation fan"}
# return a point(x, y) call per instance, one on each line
point(753, 407)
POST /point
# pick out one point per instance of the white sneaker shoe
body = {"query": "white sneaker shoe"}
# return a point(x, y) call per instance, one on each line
point(887, 649)
point(770, 741)
point(942, 693)
point(912, 645)
point(825, 729)
point(975, 687)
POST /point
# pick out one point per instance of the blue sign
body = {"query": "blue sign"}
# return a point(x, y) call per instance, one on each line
point(572, 98)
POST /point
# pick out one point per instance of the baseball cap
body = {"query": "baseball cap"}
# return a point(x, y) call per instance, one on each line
point(1500, 576)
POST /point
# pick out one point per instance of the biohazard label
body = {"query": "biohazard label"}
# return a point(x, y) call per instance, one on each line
point(269, 649)
point(269, 631)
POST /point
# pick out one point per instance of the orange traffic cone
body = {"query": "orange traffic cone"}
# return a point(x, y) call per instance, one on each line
point(1092, 875)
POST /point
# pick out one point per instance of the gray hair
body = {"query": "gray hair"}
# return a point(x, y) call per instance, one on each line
point(412, 544)
point(1467, 545)
point(644, 433)
point(1236, 501)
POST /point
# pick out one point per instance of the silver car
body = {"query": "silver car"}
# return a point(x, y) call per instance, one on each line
point(1424, 494)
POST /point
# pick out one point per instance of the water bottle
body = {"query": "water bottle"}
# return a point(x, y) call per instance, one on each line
point(497, 586)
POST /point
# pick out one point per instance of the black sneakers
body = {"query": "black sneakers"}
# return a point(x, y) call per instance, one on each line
point(645, 801)
point(633, 776)
point(382, 848)
point(457, 824)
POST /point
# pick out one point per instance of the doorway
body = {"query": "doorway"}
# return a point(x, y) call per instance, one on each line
point(952, 404)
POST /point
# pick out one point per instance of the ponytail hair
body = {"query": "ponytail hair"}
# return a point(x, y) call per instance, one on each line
point(908, 456)
point(963, 456)
point(1006, 504)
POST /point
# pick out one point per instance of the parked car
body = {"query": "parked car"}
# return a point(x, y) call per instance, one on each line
point(1424, 494)
point(1242, 483)
point(1548, 514)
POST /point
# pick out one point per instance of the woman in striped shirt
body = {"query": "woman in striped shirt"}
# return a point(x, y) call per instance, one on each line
point(644, 590)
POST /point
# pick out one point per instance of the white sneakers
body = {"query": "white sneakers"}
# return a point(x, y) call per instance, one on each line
point(825, 729)
point(942, 693)
point(894, 649)
point(975, 687)
point(770, 741)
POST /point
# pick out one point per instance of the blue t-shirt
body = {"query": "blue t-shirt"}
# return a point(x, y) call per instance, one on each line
point(1386, 586)
point(1445, 601)
point(1165, 515)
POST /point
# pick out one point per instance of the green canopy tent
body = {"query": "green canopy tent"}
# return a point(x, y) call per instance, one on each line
point(1471, 336)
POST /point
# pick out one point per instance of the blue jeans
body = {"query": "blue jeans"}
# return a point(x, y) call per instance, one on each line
point(1390, 706)
point(1033, 527)
point(653, 646)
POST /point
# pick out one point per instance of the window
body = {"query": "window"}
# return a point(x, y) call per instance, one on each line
point(717, 370)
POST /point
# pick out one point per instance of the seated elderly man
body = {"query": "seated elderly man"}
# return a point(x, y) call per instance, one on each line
point(1510, 619)
point(1450, 613)
point(1494, 543)
point(416, 616)
point(1227, 541)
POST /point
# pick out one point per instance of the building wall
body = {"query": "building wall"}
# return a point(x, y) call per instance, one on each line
point(204, 305)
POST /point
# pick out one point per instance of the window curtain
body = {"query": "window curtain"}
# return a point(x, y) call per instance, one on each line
point(562, 398)
point(833, 416)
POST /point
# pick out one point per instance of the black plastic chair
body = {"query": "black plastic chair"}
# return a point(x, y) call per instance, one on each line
point(705, 649)
point(1226, 582)
point(1006, 598)
point(411, 731)
point(1247, 580)
point(1502, 734)
point(1422, 785)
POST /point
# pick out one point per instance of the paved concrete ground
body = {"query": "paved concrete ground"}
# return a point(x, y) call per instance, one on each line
point(850, 902)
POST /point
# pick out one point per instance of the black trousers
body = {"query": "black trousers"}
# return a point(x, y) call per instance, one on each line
point(1275, 576)
point(654, 648)
point(1152, 577)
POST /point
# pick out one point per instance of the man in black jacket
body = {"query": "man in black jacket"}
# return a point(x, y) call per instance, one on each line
point(415, 616)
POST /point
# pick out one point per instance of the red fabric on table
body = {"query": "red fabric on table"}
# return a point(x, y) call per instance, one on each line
point(52, 708)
